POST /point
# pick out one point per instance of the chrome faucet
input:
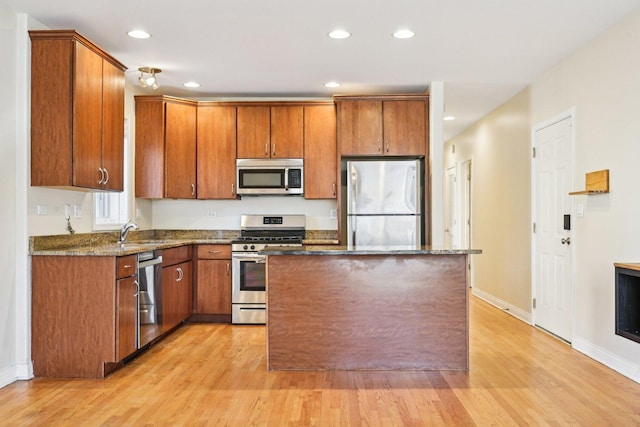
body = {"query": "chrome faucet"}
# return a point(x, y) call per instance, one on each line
point(124, 230)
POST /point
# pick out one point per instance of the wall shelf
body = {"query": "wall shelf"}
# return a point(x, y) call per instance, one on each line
point(595, 183)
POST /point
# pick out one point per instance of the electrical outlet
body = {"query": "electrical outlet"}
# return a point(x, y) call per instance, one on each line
point(138, 213)
point(77, 211)
point(67, 211)
point(42, 210)
point(334, 214)
point(211, 214)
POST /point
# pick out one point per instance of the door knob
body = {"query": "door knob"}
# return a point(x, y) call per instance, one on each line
point(566, 241)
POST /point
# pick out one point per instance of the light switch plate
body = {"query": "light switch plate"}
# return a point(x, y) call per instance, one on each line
point(580, 210)
point(42, 210)
point(334, 214)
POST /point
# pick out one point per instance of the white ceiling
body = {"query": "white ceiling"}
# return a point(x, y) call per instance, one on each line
point(484, 51)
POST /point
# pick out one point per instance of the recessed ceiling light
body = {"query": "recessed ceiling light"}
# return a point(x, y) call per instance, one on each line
point(139, 34)
point(403, 34)
point(332, 84)
point(192, 84)
point(448, 118)
point(339, 34)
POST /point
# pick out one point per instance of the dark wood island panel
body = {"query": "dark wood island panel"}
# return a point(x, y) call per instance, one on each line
point(367, 312)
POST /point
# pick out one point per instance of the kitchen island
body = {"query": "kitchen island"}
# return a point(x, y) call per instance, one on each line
point(370, 308)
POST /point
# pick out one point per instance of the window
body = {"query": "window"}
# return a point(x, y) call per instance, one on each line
point(112, 209)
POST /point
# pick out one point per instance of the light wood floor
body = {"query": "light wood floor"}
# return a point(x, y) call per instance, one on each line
point(215, 375)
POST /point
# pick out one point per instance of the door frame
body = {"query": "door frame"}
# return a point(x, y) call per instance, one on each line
point(568, 114)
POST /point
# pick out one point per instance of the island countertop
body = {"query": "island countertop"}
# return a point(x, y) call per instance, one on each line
point(365, 250)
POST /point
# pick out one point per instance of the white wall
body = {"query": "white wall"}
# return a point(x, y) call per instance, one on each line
point(601, 81)
point(8, 190)
point(498, 146)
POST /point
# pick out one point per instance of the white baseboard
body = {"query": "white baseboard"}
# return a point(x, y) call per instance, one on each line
point(10, 374)
point(516, 312)
point(626, 368)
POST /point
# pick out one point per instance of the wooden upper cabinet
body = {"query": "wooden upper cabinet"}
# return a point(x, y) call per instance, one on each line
point(383, 125)
point(254, 132)
point(360, 127)
point(216, 148)
point(320, 152)
point(405, 126)
point(77, 113)
point(270, 131)
point(165, 147)
point(180, 150)
point(287, 139)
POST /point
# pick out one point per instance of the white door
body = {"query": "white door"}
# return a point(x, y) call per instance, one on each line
point(465, 211)
point(450, 208)
point(552, 263)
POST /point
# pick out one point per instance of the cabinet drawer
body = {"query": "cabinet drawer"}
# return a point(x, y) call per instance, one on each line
point(173, 256)
point(126, 266)
point(214, 251)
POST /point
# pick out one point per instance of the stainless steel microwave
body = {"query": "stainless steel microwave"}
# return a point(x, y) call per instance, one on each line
point(270, 177)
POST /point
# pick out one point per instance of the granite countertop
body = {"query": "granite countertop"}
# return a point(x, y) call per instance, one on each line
point(366, 250)
point(105, 243)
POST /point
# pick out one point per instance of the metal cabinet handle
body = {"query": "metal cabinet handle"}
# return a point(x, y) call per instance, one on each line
point(193, 189)
point(214, 252)
point(379, 146)
point(233, 189)
point(180, 274)
point(273, 150)
point(228, 268)
point(333, 186)
point(106, 172)
point(101, 176)
point(137, 288)
point(126, 266)
point(266, 149)
point(387, 145)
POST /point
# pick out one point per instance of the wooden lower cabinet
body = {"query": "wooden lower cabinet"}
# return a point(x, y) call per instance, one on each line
point(213, 289)
point(177, 286)
point(126, 316)
point(81, 315)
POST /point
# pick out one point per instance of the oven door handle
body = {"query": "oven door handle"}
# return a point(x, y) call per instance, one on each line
point(256, 259)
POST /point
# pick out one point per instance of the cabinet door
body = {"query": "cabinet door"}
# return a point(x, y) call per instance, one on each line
point(405, 127)
point(113, 126)
point(149, 148)
point(254, 132)
point(287, 132)
point(216, 148)
point(170, 298)
point(360, 127)
point(126, 316)
point(177, 294)
point(213, 294)
point(87, 147)
point(320, 157)
point(180, 151)
point(185, 290)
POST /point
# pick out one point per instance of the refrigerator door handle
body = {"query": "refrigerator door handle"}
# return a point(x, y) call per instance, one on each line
point(410, 190)
point(352, 238)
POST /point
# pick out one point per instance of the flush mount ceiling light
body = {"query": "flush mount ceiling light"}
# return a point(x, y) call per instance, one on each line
point(403, 34)
point(332, 84)
point(192, 85)
point(150, 80)
point(339, 34)
point(139, 34)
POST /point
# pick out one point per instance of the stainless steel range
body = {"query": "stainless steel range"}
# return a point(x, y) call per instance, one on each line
point(248, 267)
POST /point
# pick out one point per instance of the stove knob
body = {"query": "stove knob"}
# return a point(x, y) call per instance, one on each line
point(245, 247)
point(253, 247)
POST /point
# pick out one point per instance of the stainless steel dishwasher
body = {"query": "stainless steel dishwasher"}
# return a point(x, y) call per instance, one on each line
point(149, 296)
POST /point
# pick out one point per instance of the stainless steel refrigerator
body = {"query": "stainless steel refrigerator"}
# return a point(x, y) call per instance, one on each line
point(384, 203)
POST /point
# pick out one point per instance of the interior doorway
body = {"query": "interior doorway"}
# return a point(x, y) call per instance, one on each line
point(451, 214)
point(552, 253)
